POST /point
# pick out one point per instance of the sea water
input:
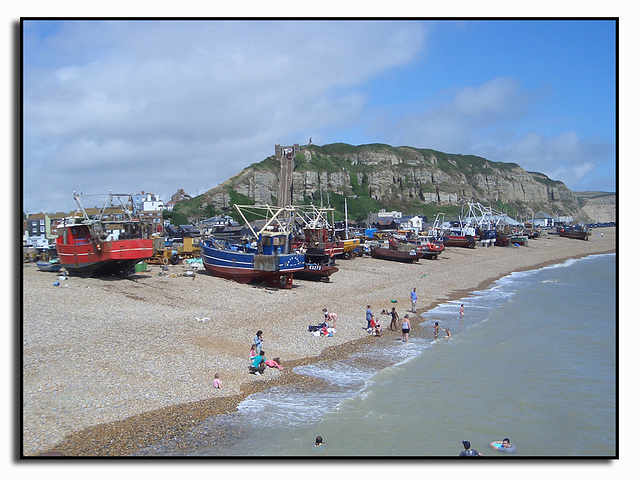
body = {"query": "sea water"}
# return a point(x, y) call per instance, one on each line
point(533, 359)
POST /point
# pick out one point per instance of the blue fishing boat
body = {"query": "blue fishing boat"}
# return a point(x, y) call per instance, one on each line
point(267, 257)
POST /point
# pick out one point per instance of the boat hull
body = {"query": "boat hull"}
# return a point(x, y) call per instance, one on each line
point(244, 267)
point(519, 239)
point(396, 255)
point(575, 234)
point(351, 247)
point(430, 254)
point(108, 257)
point(48, 267)
point(314, 271)
point(459, 241)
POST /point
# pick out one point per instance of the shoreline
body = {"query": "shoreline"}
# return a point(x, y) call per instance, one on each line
point(133, 433)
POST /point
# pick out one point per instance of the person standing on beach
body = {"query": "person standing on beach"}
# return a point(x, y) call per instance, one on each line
point(394, 319)
point(369, 315)
point(330, 316)
point(436, 330)
point(414, 300)
point(406, 328)
point(462, 309)
point(257, 341)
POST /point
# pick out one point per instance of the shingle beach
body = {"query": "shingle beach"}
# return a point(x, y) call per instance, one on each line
point(112, 366)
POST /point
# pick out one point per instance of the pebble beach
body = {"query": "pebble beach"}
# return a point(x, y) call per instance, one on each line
point(112, 366)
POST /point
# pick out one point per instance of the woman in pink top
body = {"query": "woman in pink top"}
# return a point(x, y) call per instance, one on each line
point(275, 363)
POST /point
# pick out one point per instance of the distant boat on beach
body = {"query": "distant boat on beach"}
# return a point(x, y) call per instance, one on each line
point(429, 247)
point(407, 253)
point(576, 232)
point(460, 235)
point(49, 266)
point(111, 241)
point(318, 241)
point(350, 246)
point(465, 241)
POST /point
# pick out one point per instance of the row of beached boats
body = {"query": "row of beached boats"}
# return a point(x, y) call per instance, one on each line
point(284, 243)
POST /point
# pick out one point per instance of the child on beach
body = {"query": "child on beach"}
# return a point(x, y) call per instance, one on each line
point(448, 335)
point(275, 363)
point(436, 330)
point(257, 364)
point(216, 381)
point(372, 325)
point(252, 352)
point(377, 329)
point(330, 316)
point(257, 340)
point(394, 319)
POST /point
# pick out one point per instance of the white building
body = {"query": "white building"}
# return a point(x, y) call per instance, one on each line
point(384, 214)
point(542, 219)
point(150, 203)
point(412, 223)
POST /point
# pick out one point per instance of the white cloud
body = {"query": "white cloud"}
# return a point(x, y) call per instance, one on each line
point(482, 120)
point(564, 157)
point(462, 117)
point(154, 100)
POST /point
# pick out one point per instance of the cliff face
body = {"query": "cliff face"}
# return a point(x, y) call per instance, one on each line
point(598, 206)
point(400, 178)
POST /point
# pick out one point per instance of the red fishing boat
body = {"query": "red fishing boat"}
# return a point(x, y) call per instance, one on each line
point(112, 240)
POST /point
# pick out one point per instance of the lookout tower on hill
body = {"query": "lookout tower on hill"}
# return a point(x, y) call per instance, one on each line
point(286, 155)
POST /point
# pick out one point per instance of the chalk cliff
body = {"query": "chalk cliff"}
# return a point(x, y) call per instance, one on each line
point(411, 180)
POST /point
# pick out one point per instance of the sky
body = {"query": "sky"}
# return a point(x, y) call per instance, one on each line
point(161, 105)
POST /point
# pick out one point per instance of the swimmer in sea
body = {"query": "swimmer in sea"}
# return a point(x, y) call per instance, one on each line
point(448, 335)
point(319, 441)
point(505, 447)
point(468, 451)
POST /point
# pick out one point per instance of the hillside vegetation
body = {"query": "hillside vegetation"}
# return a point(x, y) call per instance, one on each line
point(376, 176)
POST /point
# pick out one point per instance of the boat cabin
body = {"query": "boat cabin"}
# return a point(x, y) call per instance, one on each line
point(74, 235)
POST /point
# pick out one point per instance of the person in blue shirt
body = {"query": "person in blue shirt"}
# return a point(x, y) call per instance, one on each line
point(369, 315)
point(257, 341)
point(414, 300)
point(257, 364)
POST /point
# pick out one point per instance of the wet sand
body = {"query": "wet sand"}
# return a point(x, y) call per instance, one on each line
point(111, 366)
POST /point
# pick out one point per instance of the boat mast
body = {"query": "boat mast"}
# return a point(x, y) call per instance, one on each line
point(346, 220)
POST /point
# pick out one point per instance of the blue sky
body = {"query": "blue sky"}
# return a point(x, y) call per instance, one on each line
point(163, 105)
